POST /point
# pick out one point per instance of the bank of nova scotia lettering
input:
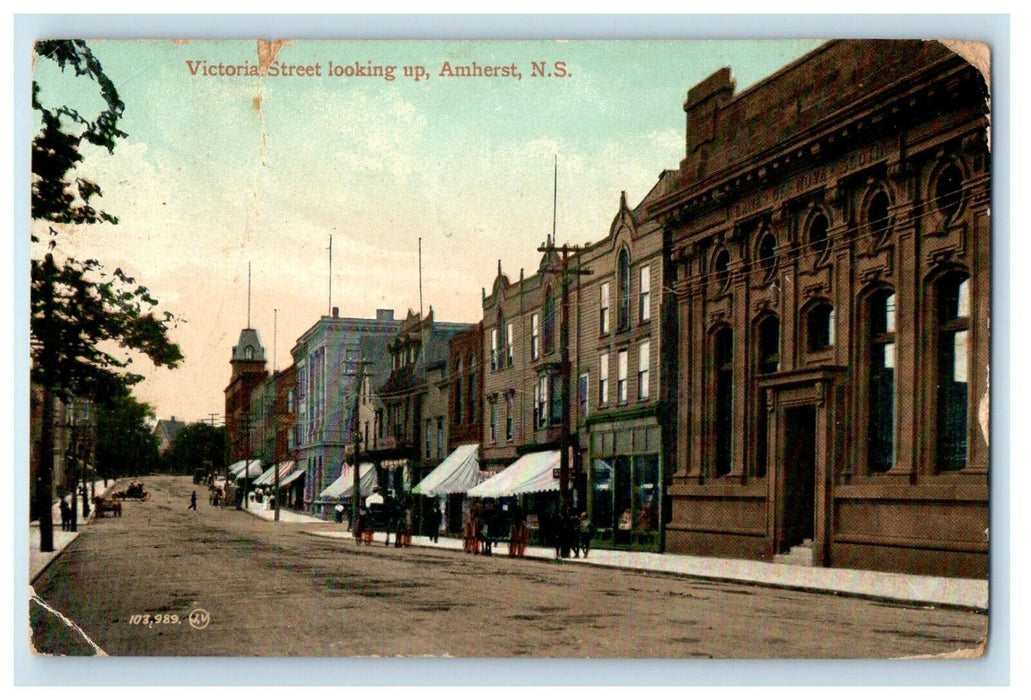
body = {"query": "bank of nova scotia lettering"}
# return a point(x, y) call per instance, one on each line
point(478, 70)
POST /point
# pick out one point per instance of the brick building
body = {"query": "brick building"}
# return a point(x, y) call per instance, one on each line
point(831, 237)
point(248, 372)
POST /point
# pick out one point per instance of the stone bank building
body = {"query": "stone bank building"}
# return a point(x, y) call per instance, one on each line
point(830, 249)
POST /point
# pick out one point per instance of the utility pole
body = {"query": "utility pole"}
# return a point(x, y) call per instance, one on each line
point(356, 440)
point(565, 438)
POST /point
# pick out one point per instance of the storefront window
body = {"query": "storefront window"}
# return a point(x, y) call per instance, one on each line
point(626, 496)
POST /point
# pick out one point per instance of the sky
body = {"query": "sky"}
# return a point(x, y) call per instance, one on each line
point(223, 171)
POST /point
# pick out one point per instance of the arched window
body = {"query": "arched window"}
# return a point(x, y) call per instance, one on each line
point(549, 321)
point(948, 191)
point(766, 254)
point(953, 370)
point(881, 381)
point(623, 312)
point(721, 268)
point(723, 420)
point(248, 352)
point(878, 215)
point(818, 235)
point(820, 327)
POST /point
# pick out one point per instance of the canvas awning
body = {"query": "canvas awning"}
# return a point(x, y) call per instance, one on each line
point(268, 477)
point(290, 478)
point(344, 486)
point(458, 473)
point(253, 469)
point(530, 473)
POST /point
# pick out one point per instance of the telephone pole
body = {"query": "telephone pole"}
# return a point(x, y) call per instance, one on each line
point(565, 437)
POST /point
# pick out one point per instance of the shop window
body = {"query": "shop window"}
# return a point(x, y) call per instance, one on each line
point(767, 254)
point(621, 378)
point(818, 235)
point(881, 381)
point(723, 420)
point(603, 379)
point(623, 313)
point(769, 345)
point(604, 320)
point(549, 322)
point(820, 327)
point(953, 375)
point(643, 370)
point(948, 191)
point(644, 297)
point(602, 493)
point(878, 216)
point(721, 269)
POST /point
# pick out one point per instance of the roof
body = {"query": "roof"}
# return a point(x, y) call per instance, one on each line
point(249, 338)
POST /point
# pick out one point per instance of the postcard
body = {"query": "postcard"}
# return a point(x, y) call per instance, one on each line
point(489, 349)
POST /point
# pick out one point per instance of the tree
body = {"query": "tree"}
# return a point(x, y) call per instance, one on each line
point(126, 444)
point(198, 446)
point(85, 323)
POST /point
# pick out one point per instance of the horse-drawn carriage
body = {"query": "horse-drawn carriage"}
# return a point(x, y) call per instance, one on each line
point(112, 505)
point(134, 491)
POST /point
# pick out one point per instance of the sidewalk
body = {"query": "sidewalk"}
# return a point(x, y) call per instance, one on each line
point(285, 515)
point(39, 561)
point(907, 588)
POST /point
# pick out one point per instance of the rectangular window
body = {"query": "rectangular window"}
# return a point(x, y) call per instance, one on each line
point(508, 417)
point(644, 305)
point(458, 399)
point(583, 391)
point(604, 320)
point(440, 436)
point(429, 438)
point(535, 336)
point(493, 422)
point(542, 402)
point(556, 398)
point(510, 338)
point(643, 365)
point(603, 379)
point(621, 379)
point(493, 349)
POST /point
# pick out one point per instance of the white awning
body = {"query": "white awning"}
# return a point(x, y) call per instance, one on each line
point(458, 473)
point(291, 477)
point(253, 469)
point(268, 477)
point(530, 473)
point(343, 487)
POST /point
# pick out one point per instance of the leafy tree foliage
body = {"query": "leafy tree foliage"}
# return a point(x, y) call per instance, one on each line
point(126, 444)
point(85, 322)
point(198, 446)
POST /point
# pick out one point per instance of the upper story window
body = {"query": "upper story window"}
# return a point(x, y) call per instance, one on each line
point(583, 392)
point(878, 215)
point(643, 367)
point(948, 191)
point(644, 297)
point(549, 321)
point(509, 344)
point(721, 269)
point(493, 349)
point(509, 416)
point(604, 321)
point(621, 377)
point(769, 345)
point(603, 379)
point(623, 280)
point(248, 352)
point(723, 409)
point(767, 255)
point(820, 327)
point(535, 336)
point(818, 242)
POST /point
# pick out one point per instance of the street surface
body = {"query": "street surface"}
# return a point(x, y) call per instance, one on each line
point(260, 588)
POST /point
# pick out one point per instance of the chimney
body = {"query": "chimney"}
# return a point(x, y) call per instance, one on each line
point(336, 312)
point(384, 314)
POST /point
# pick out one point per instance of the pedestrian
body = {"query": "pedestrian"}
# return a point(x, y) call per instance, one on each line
point(85, 502)
point(66, 515)
point(193, 501)
point(435, 519)
point(586, 528)
point(339, 512)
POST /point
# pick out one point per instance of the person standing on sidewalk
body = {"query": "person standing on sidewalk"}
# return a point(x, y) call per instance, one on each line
point(193, 501)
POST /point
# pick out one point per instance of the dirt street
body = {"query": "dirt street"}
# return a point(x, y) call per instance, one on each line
point(259, 588)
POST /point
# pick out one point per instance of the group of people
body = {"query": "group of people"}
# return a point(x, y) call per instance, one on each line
point(572, 533)
point(393, 515)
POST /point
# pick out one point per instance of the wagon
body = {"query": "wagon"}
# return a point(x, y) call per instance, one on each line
point(107, 505)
